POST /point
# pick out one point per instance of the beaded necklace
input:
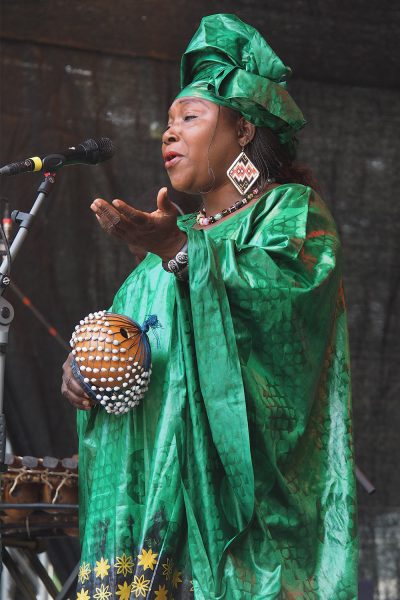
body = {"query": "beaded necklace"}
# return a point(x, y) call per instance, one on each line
point(203, 220)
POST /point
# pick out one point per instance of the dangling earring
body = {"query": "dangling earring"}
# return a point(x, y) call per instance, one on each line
point(242, 173)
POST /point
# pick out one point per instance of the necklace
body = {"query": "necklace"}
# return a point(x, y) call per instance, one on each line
point(203, 220)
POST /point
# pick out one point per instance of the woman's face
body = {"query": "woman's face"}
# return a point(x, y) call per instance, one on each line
point(200, 135)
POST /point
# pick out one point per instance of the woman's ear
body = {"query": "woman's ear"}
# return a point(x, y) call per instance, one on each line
point(246, 131)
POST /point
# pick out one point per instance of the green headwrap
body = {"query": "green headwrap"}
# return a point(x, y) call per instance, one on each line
point(230, 63)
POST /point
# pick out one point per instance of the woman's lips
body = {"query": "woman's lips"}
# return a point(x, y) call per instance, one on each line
point(171, 162)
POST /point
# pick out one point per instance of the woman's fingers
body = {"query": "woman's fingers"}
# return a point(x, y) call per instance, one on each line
point(119, 219)
point(107, 216)
point(133, 215)
point(164, 205)
point(71, 389)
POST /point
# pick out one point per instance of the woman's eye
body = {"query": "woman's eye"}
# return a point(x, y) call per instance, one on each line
point(189, 117)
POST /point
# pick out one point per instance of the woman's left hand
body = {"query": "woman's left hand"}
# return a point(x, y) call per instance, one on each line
point(155, 232)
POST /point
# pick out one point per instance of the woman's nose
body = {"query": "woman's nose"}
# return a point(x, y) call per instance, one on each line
point(169, 136)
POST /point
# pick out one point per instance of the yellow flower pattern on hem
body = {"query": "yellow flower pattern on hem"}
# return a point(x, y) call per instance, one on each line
point(124, 591)
point(161, 593)
point(168, 567)
point(176, 578)
point(116, 573)
point(84, 572)
point(147, 559)
point(140, 586)
point(124, 564)
point(102, 567)
point(102, 593)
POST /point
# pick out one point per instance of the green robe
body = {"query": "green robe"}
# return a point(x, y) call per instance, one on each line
point(234, 478)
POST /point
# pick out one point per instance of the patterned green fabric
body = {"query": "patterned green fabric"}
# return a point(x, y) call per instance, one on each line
point(230, 63)
point(234, 478)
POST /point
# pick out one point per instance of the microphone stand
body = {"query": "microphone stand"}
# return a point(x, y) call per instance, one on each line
point(24, 220)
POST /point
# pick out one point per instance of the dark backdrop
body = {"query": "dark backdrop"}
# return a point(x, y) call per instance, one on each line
point(72, 70)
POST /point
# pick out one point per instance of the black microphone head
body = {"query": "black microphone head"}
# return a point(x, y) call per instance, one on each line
point(98, 150)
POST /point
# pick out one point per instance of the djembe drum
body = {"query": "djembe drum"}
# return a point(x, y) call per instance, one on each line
point(112, 359)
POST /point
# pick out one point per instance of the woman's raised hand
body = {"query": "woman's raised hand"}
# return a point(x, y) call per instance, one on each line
point(155, 232)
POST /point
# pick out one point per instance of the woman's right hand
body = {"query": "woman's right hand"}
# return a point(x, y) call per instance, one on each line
point(72, 391)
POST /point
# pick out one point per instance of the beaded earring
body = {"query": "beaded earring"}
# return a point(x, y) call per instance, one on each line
point(243, 173)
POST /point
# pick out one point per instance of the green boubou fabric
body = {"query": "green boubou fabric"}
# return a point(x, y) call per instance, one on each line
point(234, 477)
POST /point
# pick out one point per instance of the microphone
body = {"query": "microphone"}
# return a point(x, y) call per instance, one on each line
point(90, 152)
